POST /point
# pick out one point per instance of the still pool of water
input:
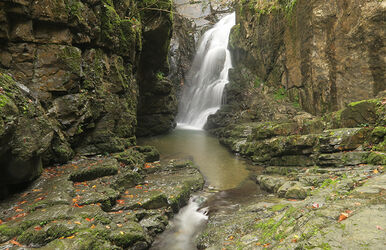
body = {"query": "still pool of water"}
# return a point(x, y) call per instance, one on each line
point(220, 167)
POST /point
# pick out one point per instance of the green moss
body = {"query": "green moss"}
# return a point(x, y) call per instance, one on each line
point(372, 101)
point(93, 173)
point(278, 207)
point(72, 57)
point(379, 131)
point(376, 158)
point(9, 232)
point(124, 35)
point(328, 182)
point(280, 94)
point(270, 228)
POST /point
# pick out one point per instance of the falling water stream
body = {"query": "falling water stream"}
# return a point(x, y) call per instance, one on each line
point(226, 175)
point(202, 95)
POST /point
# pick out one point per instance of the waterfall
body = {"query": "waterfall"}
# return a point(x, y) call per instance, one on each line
point(202, 95)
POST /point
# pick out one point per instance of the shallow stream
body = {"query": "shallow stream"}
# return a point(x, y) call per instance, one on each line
point(227, 183)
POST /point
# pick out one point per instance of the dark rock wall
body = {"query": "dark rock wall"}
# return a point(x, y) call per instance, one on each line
point(71, 75)
point(157, 103)
point(321, 54)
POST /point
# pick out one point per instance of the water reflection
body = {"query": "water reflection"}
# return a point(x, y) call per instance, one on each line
point(220, 167)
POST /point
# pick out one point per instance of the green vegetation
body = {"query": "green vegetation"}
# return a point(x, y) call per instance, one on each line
point(280, 94)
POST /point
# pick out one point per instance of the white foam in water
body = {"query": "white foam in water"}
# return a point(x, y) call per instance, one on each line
point(184, 228)
point(202, 95)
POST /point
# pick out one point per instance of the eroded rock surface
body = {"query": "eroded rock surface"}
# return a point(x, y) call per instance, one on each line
point(98, 202)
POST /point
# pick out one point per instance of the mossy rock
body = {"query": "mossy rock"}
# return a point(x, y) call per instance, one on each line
point(126, 236)
point(151, 153)
point(376, 158)
point(92, 173)
point(128, 179)
point(157, 201)
point(82, 241)
point(8, 232)
point(379, 132)
point(130, 157)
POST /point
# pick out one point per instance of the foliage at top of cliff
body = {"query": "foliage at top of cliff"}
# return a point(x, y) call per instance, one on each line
point(266, 7)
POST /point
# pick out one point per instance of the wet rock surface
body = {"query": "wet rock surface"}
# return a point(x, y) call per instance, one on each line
point(325, 175)
point(344, 211)
point(98, 203)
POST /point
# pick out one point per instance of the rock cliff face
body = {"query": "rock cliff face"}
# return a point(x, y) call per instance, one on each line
point(71, 75)
point(321, 54)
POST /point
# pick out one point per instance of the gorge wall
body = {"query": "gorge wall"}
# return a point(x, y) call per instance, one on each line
point(75, 74)
point(318, 55)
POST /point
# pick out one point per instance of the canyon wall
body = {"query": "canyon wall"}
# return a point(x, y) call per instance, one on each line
point(318, 55)
point(71, 75)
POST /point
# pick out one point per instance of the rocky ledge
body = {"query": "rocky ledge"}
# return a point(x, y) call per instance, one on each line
point(344, 209)
point(105, 202)
point(326, 179)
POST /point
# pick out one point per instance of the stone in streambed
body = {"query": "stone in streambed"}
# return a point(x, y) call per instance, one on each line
point(270, 183)
point(292, 190)
point(105, 168)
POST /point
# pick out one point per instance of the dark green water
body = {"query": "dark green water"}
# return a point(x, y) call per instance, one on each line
point(222, 169)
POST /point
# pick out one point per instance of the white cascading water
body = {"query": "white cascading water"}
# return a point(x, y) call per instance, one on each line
point(202, 95)
point(184, 227)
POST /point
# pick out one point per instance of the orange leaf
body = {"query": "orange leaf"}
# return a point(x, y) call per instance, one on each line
point(294, 240)
point(22, 202)
point(14, 242)
point(267, 245)
point(19, 210)
point(70, 237)
point(343, 216)
point(93, 226)
point(119, 225)
point(88, 219)
point(77, 222)
point(120, 202)
point(375, 171)
point(39, 199)
point(1, 221)
point(37, 228)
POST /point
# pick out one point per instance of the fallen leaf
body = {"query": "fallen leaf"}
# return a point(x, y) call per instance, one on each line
point(1, 221)
point(294, 240)
point(88, 219)
point(119, 225)
point(78, 222)
point(267, 245)
point(22, 202)
point(94, 186)
point(19, 210)
point(14, 242)
point(108, 227)
point(379, 227)
point(121, 232)
point(37, 228)
point(70, 237)
point(231, 237)
point(121, 202)
point(375, 171)
point(343, 216)
point(93, 226)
